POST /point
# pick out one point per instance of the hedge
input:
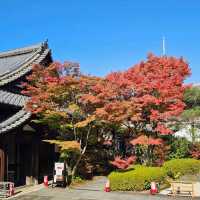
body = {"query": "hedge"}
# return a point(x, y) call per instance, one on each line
point(138, 179)
point(179, 167)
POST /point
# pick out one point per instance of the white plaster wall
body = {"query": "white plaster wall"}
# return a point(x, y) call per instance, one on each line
point(184, 132)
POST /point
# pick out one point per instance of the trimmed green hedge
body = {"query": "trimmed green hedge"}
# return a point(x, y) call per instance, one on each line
point(178, 167)
point(138, 179)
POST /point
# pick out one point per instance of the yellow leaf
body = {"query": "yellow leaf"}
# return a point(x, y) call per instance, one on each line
point(73, 107)
point(65, 145)
point(85, 122)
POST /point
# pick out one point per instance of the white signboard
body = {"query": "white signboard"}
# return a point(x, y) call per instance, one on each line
point(59, 167)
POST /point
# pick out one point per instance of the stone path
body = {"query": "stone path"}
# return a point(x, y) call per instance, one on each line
point(97, 184)
point(90, 191)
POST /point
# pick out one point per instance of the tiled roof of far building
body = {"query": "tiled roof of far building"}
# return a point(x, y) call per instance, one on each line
point(196, 85)
point(13, 65)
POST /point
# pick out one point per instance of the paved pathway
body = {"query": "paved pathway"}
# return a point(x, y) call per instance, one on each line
point(91, 191)
point(97, 184)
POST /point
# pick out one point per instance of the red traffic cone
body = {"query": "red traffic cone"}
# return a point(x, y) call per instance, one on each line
point(154, 188)
point(45, 182)
point(107, 186)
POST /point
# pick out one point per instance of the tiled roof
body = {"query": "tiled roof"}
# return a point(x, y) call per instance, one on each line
point(14, 64)
point(14, 121)
point(196, 85)
point(12, 99)
point(18, 62)
point(19, 117)
point(22, 50)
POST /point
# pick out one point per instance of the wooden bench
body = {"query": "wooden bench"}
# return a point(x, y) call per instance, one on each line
point(182, 188)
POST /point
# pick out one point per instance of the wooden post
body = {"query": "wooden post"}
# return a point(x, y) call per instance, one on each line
point(35, 161)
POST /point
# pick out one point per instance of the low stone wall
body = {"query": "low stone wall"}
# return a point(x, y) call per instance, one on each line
point(197, 189)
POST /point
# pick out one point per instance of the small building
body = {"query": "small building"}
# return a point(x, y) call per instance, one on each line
point(187, 133)
point(24, 158)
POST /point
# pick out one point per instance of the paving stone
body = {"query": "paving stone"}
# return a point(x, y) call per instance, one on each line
point(92, 191)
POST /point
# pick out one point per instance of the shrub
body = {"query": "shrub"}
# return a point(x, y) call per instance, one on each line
point(179, 148)
point(77, 179)
point(195, 151)
point(181, 167)
point(137, 179)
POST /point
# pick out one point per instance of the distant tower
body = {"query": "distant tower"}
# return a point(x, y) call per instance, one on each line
point(163, 46)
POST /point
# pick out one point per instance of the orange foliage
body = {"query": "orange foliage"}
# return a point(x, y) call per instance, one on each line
point(144, 140)
point(149, 93)
point(123, 163)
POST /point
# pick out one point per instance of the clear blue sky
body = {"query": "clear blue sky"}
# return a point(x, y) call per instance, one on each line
point(104, 35)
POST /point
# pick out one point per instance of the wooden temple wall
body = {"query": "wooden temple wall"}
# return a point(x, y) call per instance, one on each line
point(24, 158)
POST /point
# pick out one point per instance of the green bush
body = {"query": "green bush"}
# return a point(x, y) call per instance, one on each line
point(77, 179)
point(179, 148)
point(181, 167)
point(137, 179)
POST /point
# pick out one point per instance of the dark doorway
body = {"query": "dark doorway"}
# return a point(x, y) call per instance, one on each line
point(2, 165)
point(25, 162)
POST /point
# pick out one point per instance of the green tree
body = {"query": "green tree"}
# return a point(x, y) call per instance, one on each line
point(179, 148)
point(191, 115)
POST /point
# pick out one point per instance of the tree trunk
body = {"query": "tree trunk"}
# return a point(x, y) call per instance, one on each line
point(81, 154)
point(76, 166)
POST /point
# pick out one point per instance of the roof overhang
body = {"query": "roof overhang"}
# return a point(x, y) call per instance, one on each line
point(14, 121)
point(18, 118)
point(21, 65)
point(13, 65)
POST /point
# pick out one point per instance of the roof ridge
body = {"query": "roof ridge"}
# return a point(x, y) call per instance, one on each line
point(10, 76)
point(22, 50)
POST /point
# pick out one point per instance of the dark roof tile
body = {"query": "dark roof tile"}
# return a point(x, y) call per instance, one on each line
point(12, 99)
point(17, 63)
point(14, 121)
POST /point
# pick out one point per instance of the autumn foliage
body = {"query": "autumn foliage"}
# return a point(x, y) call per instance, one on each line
point(150, 93)
point(195, 151)
point(55, 97)
point(142, 99)
point(144, 140)
point(121, 163)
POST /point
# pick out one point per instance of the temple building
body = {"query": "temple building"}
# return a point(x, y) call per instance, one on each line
point(24, 157)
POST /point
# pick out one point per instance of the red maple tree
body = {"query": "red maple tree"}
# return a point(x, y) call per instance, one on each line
point(56, 99)
point(121, 163)
point(195, 151)
point(143, 98)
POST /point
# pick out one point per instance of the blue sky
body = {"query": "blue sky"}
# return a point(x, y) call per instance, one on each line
point(104, 35)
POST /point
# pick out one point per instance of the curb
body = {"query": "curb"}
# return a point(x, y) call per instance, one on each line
point(27, 190)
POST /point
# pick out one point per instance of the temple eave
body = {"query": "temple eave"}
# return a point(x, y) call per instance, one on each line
point(14, 121)
point(24, 68)
point(14, 65)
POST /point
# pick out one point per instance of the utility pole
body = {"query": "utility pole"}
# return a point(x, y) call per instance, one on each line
point(163, 46)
